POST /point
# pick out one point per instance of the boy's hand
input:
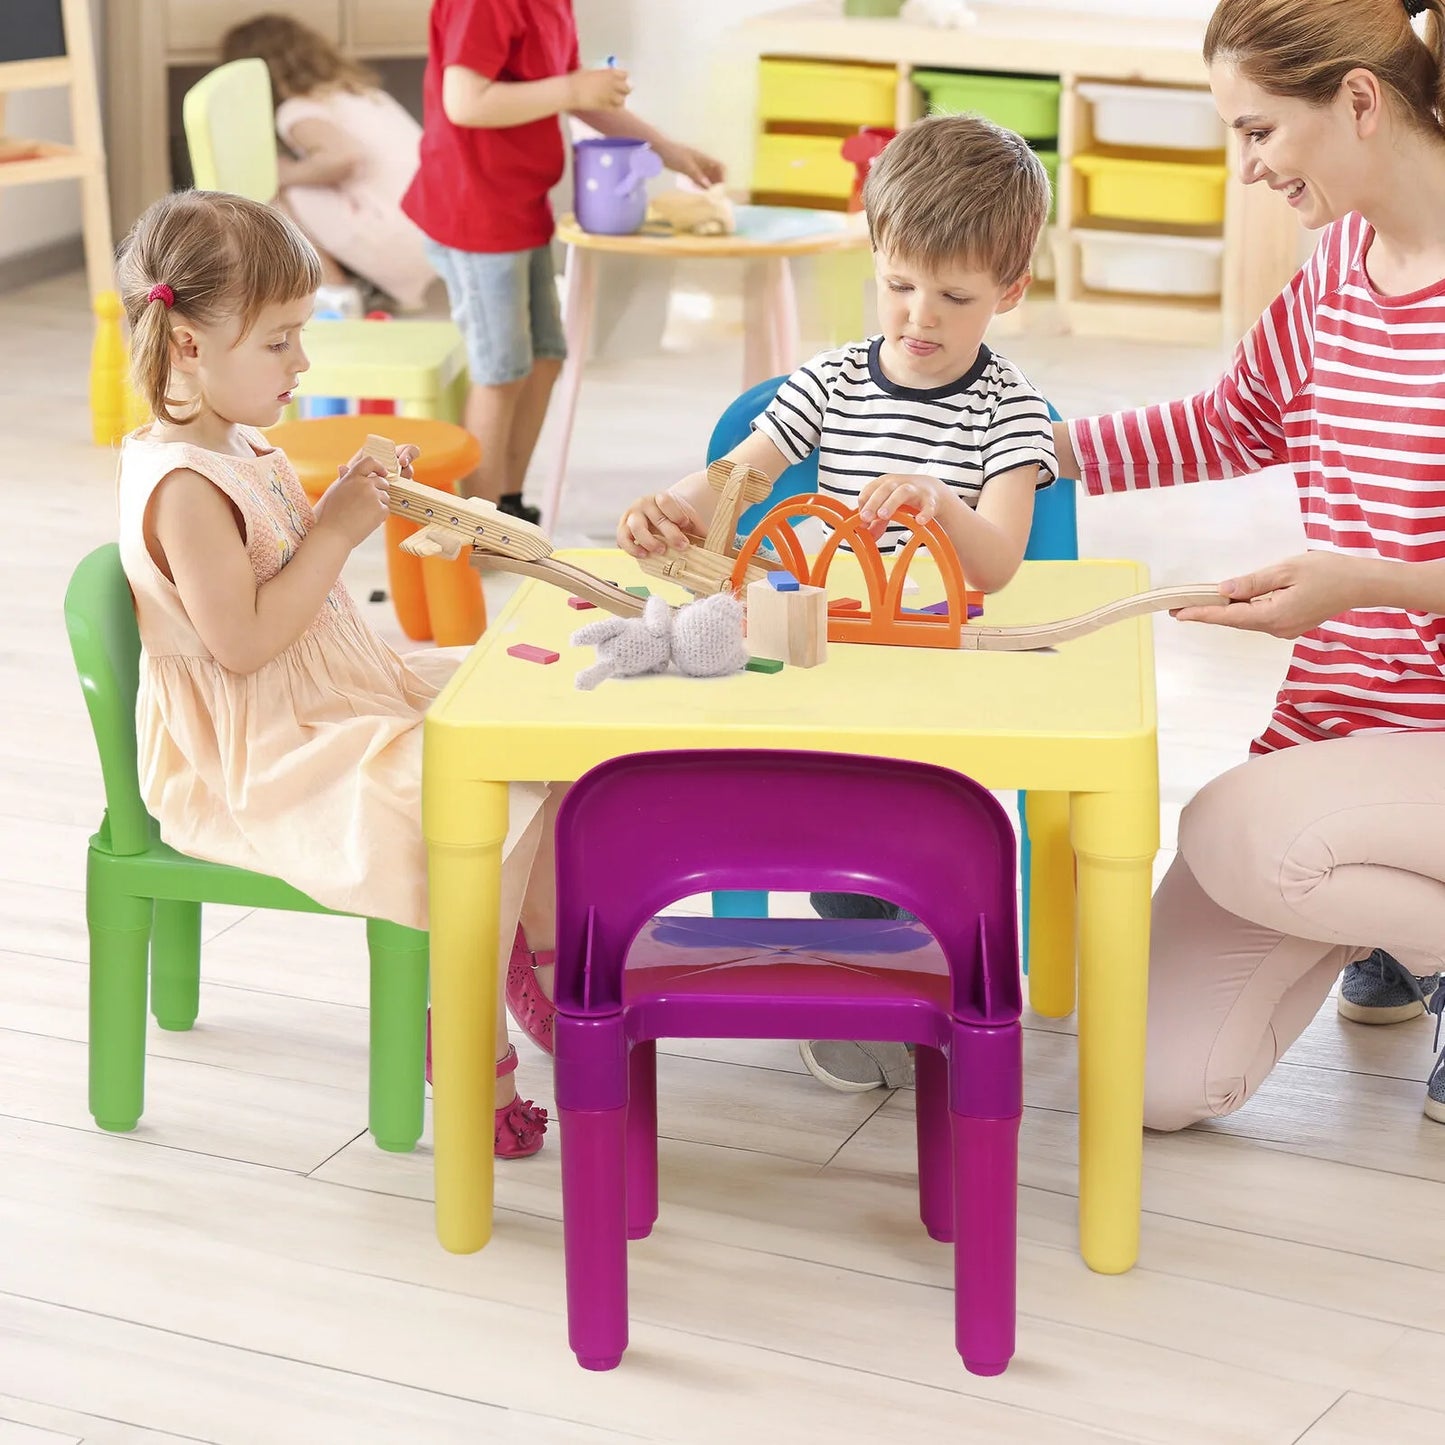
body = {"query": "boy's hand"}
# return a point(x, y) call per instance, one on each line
point(700, 169)
point(655, 524)
point(605, 89)
point(356, 503)
point(895, 491)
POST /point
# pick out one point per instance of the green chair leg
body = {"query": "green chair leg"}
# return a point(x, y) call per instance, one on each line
point(398, 1034)
point(120, 931)
point(176, 964)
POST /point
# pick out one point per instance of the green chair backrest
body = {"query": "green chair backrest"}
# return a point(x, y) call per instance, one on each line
point(105, 642)
point(230, 126)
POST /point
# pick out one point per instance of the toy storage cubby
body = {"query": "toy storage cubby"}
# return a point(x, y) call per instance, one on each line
point(1157, 240)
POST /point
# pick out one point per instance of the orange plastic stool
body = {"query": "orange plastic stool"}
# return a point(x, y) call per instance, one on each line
point(433, 597)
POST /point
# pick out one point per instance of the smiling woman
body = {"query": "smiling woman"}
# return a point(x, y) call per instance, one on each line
point(1311, 859)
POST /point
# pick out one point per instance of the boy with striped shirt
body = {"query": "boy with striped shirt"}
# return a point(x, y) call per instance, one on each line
point(923, 416)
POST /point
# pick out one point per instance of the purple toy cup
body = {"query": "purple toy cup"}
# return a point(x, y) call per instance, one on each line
point(610, 176)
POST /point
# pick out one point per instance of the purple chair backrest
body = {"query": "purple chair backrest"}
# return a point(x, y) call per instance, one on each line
point(639, 832)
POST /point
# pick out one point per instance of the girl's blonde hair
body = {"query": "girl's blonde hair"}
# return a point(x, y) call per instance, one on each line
point(300, 60)
point(208, 257)
point(1303, 49)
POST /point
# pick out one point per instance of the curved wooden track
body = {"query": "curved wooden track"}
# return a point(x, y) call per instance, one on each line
point(565, 575)
point(1049, 634)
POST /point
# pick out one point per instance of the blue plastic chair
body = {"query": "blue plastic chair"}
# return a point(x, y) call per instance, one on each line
point(1054, 537)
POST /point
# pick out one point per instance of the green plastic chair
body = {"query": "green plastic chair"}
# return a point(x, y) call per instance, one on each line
point(143, 899)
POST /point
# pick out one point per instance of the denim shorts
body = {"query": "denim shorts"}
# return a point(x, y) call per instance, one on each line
point(505, 305)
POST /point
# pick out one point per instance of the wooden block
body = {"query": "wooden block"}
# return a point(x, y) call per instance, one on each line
point(638, 591)
point(792, 626)
point(580, 604)
point(782, 582)
point(383, 450)
point(845, 604)
point(528, 653)
point(764, 664)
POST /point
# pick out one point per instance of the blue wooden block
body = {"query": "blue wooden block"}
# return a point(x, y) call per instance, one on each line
point(783, 581)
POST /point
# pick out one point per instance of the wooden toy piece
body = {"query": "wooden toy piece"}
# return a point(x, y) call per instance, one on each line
point(764, 664)
point(528, 653)
point(845, 604)
point(791, 626)
point(607, 595)
point(642, 592)
point(782, 582)
point(1041, 635)
point(706, 566)
point(108, 390)
point(580, 604)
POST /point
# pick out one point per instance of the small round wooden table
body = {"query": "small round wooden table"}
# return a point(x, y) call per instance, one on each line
point(433, 597)
point(770, 309)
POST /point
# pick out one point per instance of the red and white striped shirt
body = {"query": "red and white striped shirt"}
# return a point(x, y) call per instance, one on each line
point(1347, 388)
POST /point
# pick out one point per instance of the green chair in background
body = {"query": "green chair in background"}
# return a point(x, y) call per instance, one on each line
point(143, 899)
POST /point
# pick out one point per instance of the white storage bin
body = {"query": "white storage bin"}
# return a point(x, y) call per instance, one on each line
point(1151, 265)
point(1141, 115)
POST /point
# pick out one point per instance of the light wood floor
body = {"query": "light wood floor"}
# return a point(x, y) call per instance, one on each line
point(246, 1267)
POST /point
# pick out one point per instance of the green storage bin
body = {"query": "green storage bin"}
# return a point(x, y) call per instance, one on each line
point(889, 8)
point(1025, 103)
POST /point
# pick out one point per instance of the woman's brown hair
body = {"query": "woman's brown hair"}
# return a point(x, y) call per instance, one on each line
point(300, 60)
point(1304, 48)
point(208, 257)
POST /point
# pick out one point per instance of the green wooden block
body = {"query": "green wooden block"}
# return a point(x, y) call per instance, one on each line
point(638, 591)
point(764, 664)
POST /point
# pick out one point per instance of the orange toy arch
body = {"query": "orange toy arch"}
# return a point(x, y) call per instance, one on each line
point(884, 621)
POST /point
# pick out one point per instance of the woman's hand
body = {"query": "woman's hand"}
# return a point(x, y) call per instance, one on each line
point(357, 502)
point(1288, 599)
point(657, 523)
point(894, 491)
point(701, 169)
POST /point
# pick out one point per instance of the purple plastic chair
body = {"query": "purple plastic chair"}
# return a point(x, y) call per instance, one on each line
point(640, 832)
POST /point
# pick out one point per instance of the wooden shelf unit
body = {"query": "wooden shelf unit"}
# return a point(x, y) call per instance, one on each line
point(1261, 244)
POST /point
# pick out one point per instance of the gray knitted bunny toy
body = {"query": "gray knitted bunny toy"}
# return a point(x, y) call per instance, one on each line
point(703, 639)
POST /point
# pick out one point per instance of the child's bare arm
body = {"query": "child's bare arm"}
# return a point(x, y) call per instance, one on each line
point(327, 155)
point(659, 522)
point(197, 533)
point(989, 539)
point(471, 99)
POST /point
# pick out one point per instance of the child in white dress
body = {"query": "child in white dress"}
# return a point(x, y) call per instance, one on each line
point(275, 730)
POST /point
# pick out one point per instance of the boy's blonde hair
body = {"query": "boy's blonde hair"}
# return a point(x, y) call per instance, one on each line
point(300, 61)
point(958, 189)
point(208, 257)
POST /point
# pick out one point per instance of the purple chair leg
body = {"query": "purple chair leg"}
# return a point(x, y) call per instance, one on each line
point(642, 1140)
point(594, 1234)
point(985, 1251)
point(935, 1143)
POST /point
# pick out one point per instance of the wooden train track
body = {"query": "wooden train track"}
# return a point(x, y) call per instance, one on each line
point(1038, 635)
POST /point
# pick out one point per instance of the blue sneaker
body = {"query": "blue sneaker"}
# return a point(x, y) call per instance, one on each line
point(1381, 990)
point(1435, 1087)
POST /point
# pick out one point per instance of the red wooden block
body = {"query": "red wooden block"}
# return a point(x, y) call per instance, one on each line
point(528, 653)
point(845, 604)
point(580, 604)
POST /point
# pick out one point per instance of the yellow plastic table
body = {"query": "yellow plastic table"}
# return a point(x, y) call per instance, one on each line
point(1076, 727)
point(770, 308)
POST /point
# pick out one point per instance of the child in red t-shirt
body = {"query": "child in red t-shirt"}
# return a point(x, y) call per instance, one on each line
point(500, 75)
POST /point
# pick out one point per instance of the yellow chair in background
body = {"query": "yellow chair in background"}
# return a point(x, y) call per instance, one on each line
point(421, 365)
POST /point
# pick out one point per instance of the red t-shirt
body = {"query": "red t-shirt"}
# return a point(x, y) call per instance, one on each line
point(486, 190)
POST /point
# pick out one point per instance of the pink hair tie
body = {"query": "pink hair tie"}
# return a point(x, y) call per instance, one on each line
point(163, 293)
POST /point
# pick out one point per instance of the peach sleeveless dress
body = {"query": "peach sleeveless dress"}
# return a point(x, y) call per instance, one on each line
point(310, 768)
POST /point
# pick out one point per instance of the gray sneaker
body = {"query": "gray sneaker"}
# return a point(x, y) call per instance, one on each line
point(1381, 990)
point(855, 1068)
point(1435, 1086)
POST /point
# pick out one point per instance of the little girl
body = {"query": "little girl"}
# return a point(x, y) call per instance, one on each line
point(353, 151)
point(275, 730)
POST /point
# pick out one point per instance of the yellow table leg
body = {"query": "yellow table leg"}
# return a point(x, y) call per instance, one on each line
point(1051, 905)
point(1115, 838)
point(465, 823)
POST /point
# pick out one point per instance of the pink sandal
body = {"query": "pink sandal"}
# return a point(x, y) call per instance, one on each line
point(519, 1126)
point(532, 1010)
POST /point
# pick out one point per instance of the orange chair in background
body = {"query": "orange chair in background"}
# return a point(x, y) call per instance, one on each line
point(433, 597)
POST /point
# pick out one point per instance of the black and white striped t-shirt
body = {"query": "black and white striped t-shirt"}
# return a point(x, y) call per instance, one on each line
point(988, 422)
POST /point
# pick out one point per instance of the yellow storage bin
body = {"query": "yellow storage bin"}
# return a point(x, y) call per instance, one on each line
point(809, 165)
point(823, 94)
point(1169, 192)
